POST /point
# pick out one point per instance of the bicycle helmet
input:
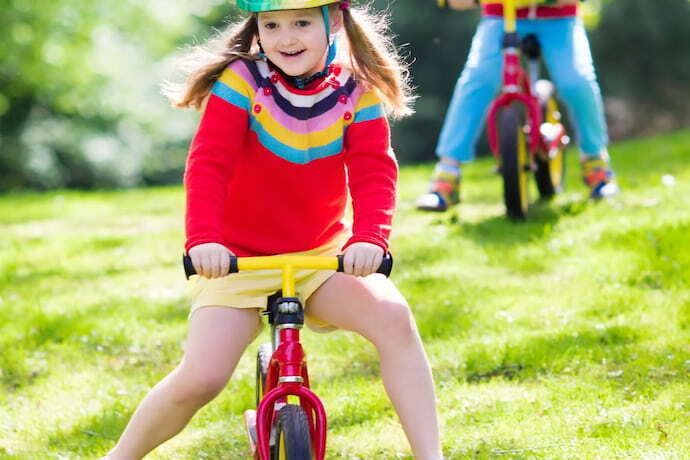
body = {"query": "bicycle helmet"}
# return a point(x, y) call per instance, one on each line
point(258, 6)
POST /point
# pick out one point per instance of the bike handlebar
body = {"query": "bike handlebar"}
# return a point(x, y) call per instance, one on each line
point(280, 262)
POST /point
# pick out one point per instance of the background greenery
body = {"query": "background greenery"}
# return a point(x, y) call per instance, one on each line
point(80, 104)
point(562, 337)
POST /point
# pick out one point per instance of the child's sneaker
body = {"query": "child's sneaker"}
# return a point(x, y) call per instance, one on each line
point(598, 176)
point(444, 190)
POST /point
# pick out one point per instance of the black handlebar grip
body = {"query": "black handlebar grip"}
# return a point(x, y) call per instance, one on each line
point(188, 266)
point(189, 269)
point(385, 268)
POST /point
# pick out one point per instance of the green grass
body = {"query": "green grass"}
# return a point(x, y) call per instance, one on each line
point(562, 337)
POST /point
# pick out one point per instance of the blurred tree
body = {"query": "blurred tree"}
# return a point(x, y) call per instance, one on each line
point(642, 51)
point(80, 104)
point(79, 98)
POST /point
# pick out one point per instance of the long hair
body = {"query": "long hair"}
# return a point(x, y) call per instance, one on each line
point(204, 64)
point(369, 48)
point(375, 60)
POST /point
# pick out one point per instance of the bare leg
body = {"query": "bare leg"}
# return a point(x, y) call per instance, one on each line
point(217, 338)
point(374, 308)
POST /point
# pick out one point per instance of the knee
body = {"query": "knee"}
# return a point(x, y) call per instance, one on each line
point(199, 384)
point(394, 324)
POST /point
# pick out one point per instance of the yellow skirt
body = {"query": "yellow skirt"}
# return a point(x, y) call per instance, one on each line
point(250, 289)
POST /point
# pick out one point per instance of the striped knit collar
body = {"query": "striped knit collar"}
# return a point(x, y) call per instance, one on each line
point(264, 71)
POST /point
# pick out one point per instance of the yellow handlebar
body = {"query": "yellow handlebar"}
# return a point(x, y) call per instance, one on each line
point(278, 262)
point(288, 265)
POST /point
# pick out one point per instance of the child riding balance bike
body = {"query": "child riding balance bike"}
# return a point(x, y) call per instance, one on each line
point(289, 127)
point(524, 126)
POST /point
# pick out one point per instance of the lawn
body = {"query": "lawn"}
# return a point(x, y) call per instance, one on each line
point(566, 336)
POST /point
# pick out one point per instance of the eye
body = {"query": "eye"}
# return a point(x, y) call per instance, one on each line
point(303, 23)
point(270, 25)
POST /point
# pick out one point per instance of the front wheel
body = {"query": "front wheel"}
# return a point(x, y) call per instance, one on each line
point(294, 439)
point(514, 162)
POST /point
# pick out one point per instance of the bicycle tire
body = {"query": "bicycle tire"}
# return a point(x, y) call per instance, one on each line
point(550, 173)
point(263, 358)
point(293, 436)
point(514, 162)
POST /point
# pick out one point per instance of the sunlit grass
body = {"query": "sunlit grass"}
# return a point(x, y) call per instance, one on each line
point(565, 336)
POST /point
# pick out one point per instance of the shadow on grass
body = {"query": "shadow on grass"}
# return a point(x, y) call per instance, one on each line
point(545, 355)
point(85, 332)
point(11, 276)
point(504, 449)
point(499, 231)
point(95, 433)
point(358, 411)
point(666, 254)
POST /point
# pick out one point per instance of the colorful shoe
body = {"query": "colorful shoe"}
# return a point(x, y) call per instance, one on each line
point(444, 190)
point(598, 176)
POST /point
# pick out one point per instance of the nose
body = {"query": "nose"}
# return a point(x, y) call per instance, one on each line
point(287, 38)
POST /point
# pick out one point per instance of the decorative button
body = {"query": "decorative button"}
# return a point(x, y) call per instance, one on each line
point(342, 99)
point(257, 108)
point(268, 91)
point(274, 78)
point(347, 116)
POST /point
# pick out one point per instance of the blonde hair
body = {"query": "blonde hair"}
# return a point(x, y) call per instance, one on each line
point(372, 57)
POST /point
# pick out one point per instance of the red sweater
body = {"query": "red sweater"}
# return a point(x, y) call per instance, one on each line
point(268, 173)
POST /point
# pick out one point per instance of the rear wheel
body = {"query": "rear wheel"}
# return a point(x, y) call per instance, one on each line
point(294, 439)
point(550, 173)
point(514, 162)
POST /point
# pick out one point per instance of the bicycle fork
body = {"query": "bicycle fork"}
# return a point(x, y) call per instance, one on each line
point(287, 376)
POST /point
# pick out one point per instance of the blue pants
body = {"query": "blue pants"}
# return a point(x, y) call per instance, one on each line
point(566, 53)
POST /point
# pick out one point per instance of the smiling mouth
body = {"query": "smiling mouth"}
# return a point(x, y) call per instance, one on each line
point(291, 54)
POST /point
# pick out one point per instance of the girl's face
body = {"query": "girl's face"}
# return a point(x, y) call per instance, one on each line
point(295, 40)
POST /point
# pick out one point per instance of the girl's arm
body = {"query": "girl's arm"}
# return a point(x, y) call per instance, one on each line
point(210, 164)
point(372, 176)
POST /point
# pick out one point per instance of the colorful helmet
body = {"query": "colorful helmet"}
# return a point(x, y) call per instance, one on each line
point(258, 6)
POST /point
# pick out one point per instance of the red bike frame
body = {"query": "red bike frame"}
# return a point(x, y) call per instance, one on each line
point(518, 88)
point(287, 376)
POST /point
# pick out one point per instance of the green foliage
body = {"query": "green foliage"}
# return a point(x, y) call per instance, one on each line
point(642, 51)
point(561, 337)
point(79, 98)
point(80, 104)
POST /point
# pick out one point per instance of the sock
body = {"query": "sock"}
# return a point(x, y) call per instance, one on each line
point(447, 168)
